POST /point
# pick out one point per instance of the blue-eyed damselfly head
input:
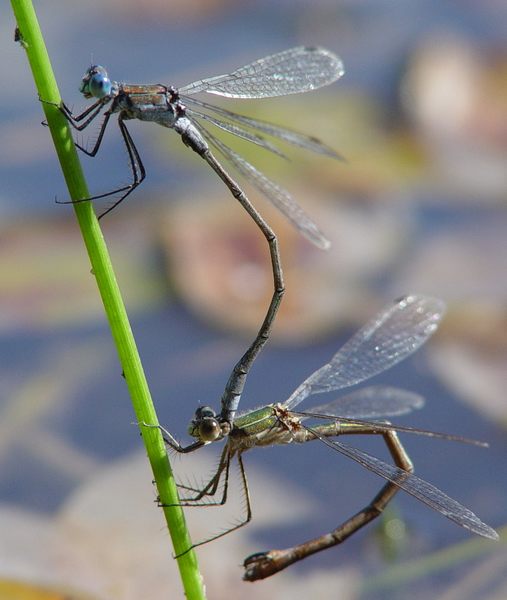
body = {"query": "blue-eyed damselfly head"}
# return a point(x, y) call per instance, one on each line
point(205, 426)
point(96, 83)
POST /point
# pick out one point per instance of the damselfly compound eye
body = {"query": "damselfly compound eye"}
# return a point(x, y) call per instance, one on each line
point(209, 430)
point(96, 83)
point(204, 425)
point(99, 85)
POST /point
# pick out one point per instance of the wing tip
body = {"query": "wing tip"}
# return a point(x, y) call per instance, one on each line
point(429, 303)
point(335, 59)
point(485, 531)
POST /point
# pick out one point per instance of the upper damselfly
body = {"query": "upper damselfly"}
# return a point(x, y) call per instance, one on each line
point(293, 71)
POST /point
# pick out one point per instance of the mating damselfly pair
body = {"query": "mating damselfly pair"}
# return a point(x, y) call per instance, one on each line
point(392, 336)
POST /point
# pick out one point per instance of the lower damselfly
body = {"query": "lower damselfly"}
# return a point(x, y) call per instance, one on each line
point(293, 71)
point(395, 333)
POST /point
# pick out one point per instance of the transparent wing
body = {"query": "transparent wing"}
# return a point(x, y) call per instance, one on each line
point(374, 402)
point(275, 193)
point(293, 71)
point(420, 489)
point(395, 333)
point(295, 138)
point(237, 131)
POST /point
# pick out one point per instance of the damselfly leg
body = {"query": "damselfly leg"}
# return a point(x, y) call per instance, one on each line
point(137, 169)
point(210, 489)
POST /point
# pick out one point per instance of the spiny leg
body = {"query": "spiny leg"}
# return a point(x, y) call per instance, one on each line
point(136, 165)
point(265, 564)
point(95, 110)
point(236, 382)
point(100, 137)
point(91, 112)
point(211, 487)
point(172, 442)
point(247, 517)
point(74, 120)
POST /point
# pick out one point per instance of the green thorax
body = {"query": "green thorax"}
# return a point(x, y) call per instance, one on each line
point(254, 422)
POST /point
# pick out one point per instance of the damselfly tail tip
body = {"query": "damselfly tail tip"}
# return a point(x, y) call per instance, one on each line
point(320, 241)
point(313, 234)
point(259, 566)
point(340, 157)
point(478, 443)
point(330, 152)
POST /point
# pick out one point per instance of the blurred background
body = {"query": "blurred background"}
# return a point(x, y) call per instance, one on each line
point(419, 206)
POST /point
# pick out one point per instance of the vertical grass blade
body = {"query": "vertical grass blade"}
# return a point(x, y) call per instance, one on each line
point(32, 41)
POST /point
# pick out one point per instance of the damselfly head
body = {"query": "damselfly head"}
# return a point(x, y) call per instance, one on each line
point(205, 426)
point(96, 83)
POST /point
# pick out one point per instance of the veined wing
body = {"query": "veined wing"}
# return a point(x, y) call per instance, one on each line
point(293, 71)
point(395, 333)
point(295, 138)
point(373, 402)
point(418, 488)
point(275, 193)
point(236, 130)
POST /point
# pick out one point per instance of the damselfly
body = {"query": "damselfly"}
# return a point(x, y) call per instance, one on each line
point(293, 71)
point(391, 336)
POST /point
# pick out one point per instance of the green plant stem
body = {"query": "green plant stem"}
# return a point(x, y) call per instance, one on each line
point(32, 41)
